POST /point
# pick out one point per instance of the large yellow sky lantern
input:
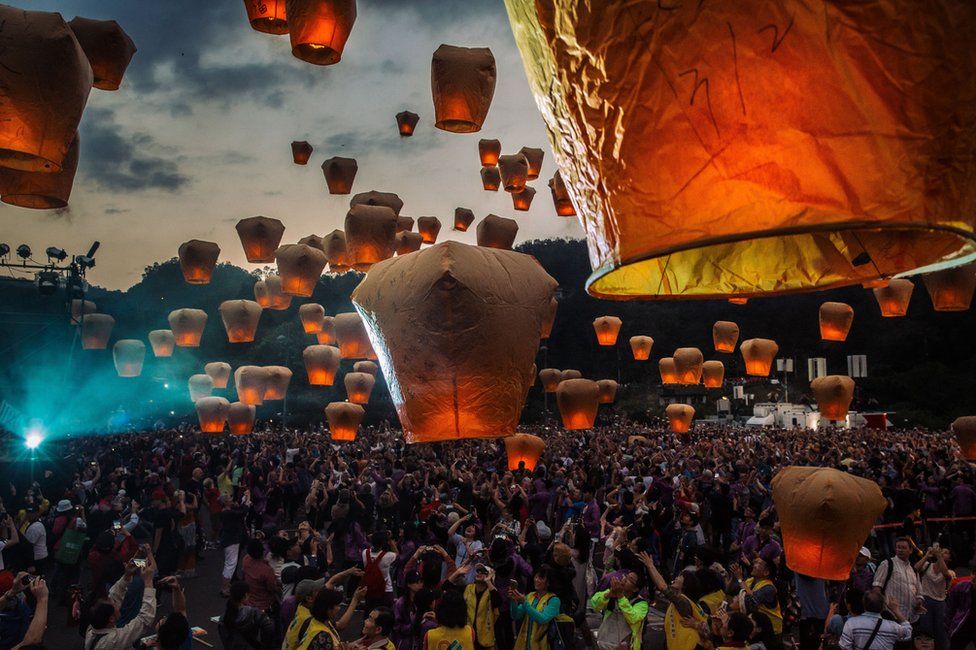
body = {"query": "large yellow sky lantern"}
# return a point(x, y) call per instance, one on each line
point(755, 148)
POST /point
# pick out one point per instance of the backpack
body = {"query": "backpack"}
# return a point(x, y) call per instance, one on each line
point(69, 546)
point(373, 578)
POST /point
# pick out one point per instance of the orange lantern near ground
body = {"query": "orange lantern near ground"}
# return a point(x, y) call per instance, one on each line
point(462, 82)
point(268, 294)
point(489, 151)
point(534, 157)
point(351, 336)
point(725, 334)
point(406, 123)
point(319, 29)
point(496, 232)
point(374, 197)
point(669, 373)
point(893, 299)
point(463, 218)
point(491, 179)
point(80, 308)
point(522, 201)
point(688, 364)
point(560, 196)
point(299, 267)
point(514, 170)
point(278, 379)
point(359, 386)
point(260, 237)
point(835, 321)
point(713, 374)
point(570, 374)
point(951, 289)
point(370, 235)
point(368, 367)
point(312, 316)
point(240, 418)
point(408, 242)
point(335, 252)
point(833, 394)
point(608, 390)
point(344, 419)
point(340, 173)
point(267, 16)
point(212, 413)
point(738, 301)
point(327, 335)
point(241, 319)
point(219, 373)
point(251, 383)
point(680, 417)
point(964, 429)
point(40, 190)
point(429, 227)
point(321, 364)
point(550, 319)
point(129, 354)
point(187, 325)
point(163, 343)
point(607, 329)
point(578, 401)
point(108, 48)
point(825, 515)
point(550, 378)
point(197, 260)
point(301, 152)
point(404, 224)
point(758, 355)
point(199, 386)
point(523, 451)
point(641, 347)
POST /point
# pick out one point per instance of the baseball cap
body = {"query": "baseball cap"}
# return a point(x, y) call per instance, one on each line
point(865, 552)
point(307, 588)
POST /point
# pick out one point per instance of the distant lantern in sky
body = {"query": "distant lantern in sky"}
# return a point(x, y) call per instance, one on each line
point(835, 321)
point(335, 251)
point(550, 378)
point(260, 237)
point(725, 334)
point(522, 201)
point(550, 319)
point(608, 390)
point(758, 355)
point(199, 386)
point(680, 417)
point(219, 372)
point(42, 190)
point(327, 335)
point(570, 374)
point(607, 329)
point(408, 242)
point(163, 343)
point(496, 232)
point(268, 16)
point(407, 123)
point(108, 48)
point(462, 81)
point(268, 294)
point(321, 364)
point(713, 374)
point(359, 386)
point(340, 173)
point(534, 157)
point(312, 315)
point(212, 413)
point(578, 401)
point(351, 336)
point(463, 218)
point(370, 235)
point(374, 197)
point(429, 227)
point(187, 325)
point(314, 241)
point(489, 151)
point(641, 347)
point(491, 179)
point(825, 515)
point(278, 379)
point(404, 224)
point(523, 451)
point(299, 267)
point(951, 289)
point(514, 169)
point(560, 196)
point(669, 374)
point(893, 298)
point(301, 151)
point(964, 429)
point(688, 364)
point(45, 80)
point(738, 301)
point(768, 113)
point(319, 28)
point(833, 394)
point(369, 367)
point(79, 308)
point(251, 383)
point(129, 354)
point(344, 419)
point(240, 418)
point(241, 319)
point(197, 260)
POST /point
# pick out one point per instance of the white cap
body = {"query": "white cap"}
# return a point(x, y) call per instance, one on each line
point(865, 552)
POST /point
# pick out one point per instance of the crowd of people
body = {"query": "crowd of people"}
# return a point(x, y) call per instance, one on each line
point(622, 537)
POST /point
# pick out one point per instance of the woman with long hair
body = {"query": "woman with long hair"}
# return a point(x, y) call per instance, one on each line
point(243, 627)
point(537, 610)
point(452, 630)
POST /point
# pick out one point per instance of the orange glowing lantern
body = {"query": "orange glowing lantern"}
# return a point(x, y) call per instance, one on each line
point(560, 196)
point(951, 289)
point(835, 321)
point(570, 374)
point(219, 373)
point(327, 335)
point(240, 418)
point(108, 48)
point(524, 451)
point(251, 383)
point(351, 336)
point(738, 301)
point(197, 260)
point(522, 201)
point(578, 401)
point(267, 16)
point(514, 170)
point(260, 237)
point(725, 334)
point(463, 218)
point(200, 386)
point(713, 374)
point(368, 367)
point(321, 364)
point(608, 390)
point(550, 378)
point(491, 179)
point(641, 347)
point(550, 319)
point(496, 232)
point(212, 413)
point(406, 123)
point(319, 28)
point(893, 299)
point(241, 319)
point(80, 308)
point(187, 325)
point(299, 267)
point(340, 173)
point(335, 252)
point(489, 151)
point(607, 329)
point(534, 158)
point(278, 379)
point(163, 343)
point(312, 315)
point(408, 242)
point(688, 364)
point(40, 190)
point(669, 373)
point(301, 152)
point(344, 420)
point(359, 386)
point(758, 355)
point(462, 82)
point(370, 235)
point(429, 227)
point(268, 294)
point(825, 515)
point(964, 429)
point(833, 394)
point(680, 417)
point(373, 197)
point(874, 284)
point(404, 224)
point(129, 354)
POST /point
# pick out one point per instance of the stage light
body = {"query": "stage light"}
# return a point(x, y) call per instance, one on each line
point(4, 250)
point(23, 251)
point(33, 440)
point(165, 385)
point(56, 253)
point(47, 282)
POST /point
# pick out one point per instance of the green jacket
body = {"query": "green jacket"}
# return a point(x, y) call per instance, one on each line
point(634, 613)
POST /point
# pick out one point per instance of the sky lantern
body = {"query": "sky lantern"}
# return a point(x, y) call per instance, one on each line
point(301, 151)
point(369, 367)
point(738, 301)
point(462, 82)
point(893, 299)
point(129, 355)
point(669, 373)
point(833, 394)
point(550, 378)
point(550, 319)
point(489, 151)
point(824, 515)
point(608, 390)
point(278, 379)
point(335, 251)
point(351, 336)
point(522, 201)
point(570, 373)
point(162, 342)
point(375, 197)
point(319, 29)
point(713, 374)
point(496, 232)
point(240, 319)
point(299, 267)
point(523, 451)
point(463, 218)
point(560, 196)
point(758, 355)
point(680, 417)
point(408, 242)
point(404, 224)
point(514, 170)
point(688, 364)
point(200, 386)
point(311, 314)
point(951, 289)
point(359, 386)
point(212, 413)
point(267, 16)
point(344, 419)
point(607, 329)
point(219, 373)
point(534, 157)
point(108, 48)
point(251, 383)
point(964, 429)
point(79, 308)
point(314, 241)
point(406, 123)
point(835, 321)
point(240, 418)
point(268, 294)
point(327, 335)
point(725, 334)
point(641, 347)
point(45, 80)
point(457, 329)
point(491, 179)
point(197, 260)
point(187, 325)
point(321, 364)
point(340, 173)
point(876, 283)
point(260, 237)
point(428, 227)
point(40, 190)
point(578, 401)
point(370, 235)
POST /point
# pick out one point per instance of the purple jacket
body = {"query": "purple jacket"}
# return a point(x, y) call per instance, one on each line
point(958, 606)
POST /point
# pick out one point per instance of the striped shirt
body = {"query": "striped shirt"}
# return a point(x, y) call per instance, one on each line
point(858, 629)
point(904, 585)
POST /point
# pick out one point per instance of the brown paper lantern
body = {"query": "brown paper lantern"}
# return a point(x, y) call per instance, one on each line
point(260, 237)
point(374, 197)
point(268, 294)
point(725, 334)
point(350, 333)
point(321, 364)
point(758, 355)
point(163, 343)
point(964, 429)
point(496, 232)
point(688, 364)
point(570, 374)
point(219, 373)
point(340, 173)
point(108, 48)
point(319, 28)
point(79, 308)
point(875, 284)
point(893, 299)
point(669, 373)
point(197, 260)
point(514, 170)
point(833, 394)
point(835, 321)
point(404, 224)
point(825, 516)
point(240, 418)
point(359, 385)
point(523, 451)
point(406, 123)
point(368, 367)
point(299, 267)
point(44, 84)
point(522, 201)
point(278, 379)
point(491, 179)
point(608, 390)
point(738, 301)
point(336, 253)
point(489, 151)
point(370, 235)
point(268, 16)
point(463, 218)
point(429, 227)
point(40, 190)
point(951, 289)
point(713, 374)
point(680, 417)
point(301, 152)
point(534, 157)
point(240, 319)
point(200, 386)
point(550, 319)
point(462, 82)
point(312, 316)
point(327, 335)
point(641, 347)
point(550, 378)
point(187, 325)
point(560, 196)
point(212, 413)
point(129, 355)
point(457, 329)
point(251, 383)
point(578, 401)
point(408, 242)
point(607, 329)
point(314, 241)
point(344, 419)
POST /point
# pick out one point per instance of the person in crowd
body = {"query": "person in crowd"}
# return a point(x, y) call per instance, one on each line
point(264, 590)
point(482, 602)
point(536, 610)
point(934, 579)
point(377, 562)
point(896, 579)
point(869, 631)
point(377, 628)
point(103, 632)
point(243, 627)
point(623, 611)
point(814, 609)
point(452, 629)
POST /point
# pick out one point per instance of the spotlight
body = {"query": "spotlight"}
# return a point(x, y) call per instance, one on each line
point(34, 438)
point(23, 251)
point(56, 253)
point(4, 250)
point(47, 282)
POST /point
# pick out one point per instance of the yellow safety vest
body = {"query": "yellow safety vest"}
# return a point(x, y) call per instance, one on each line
point(712, 601)
point(481, 615)
point(441, 638)
point(540, 633)
point(315, 628)
point(677, 636)
point(774, 613)
point(291, 634)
